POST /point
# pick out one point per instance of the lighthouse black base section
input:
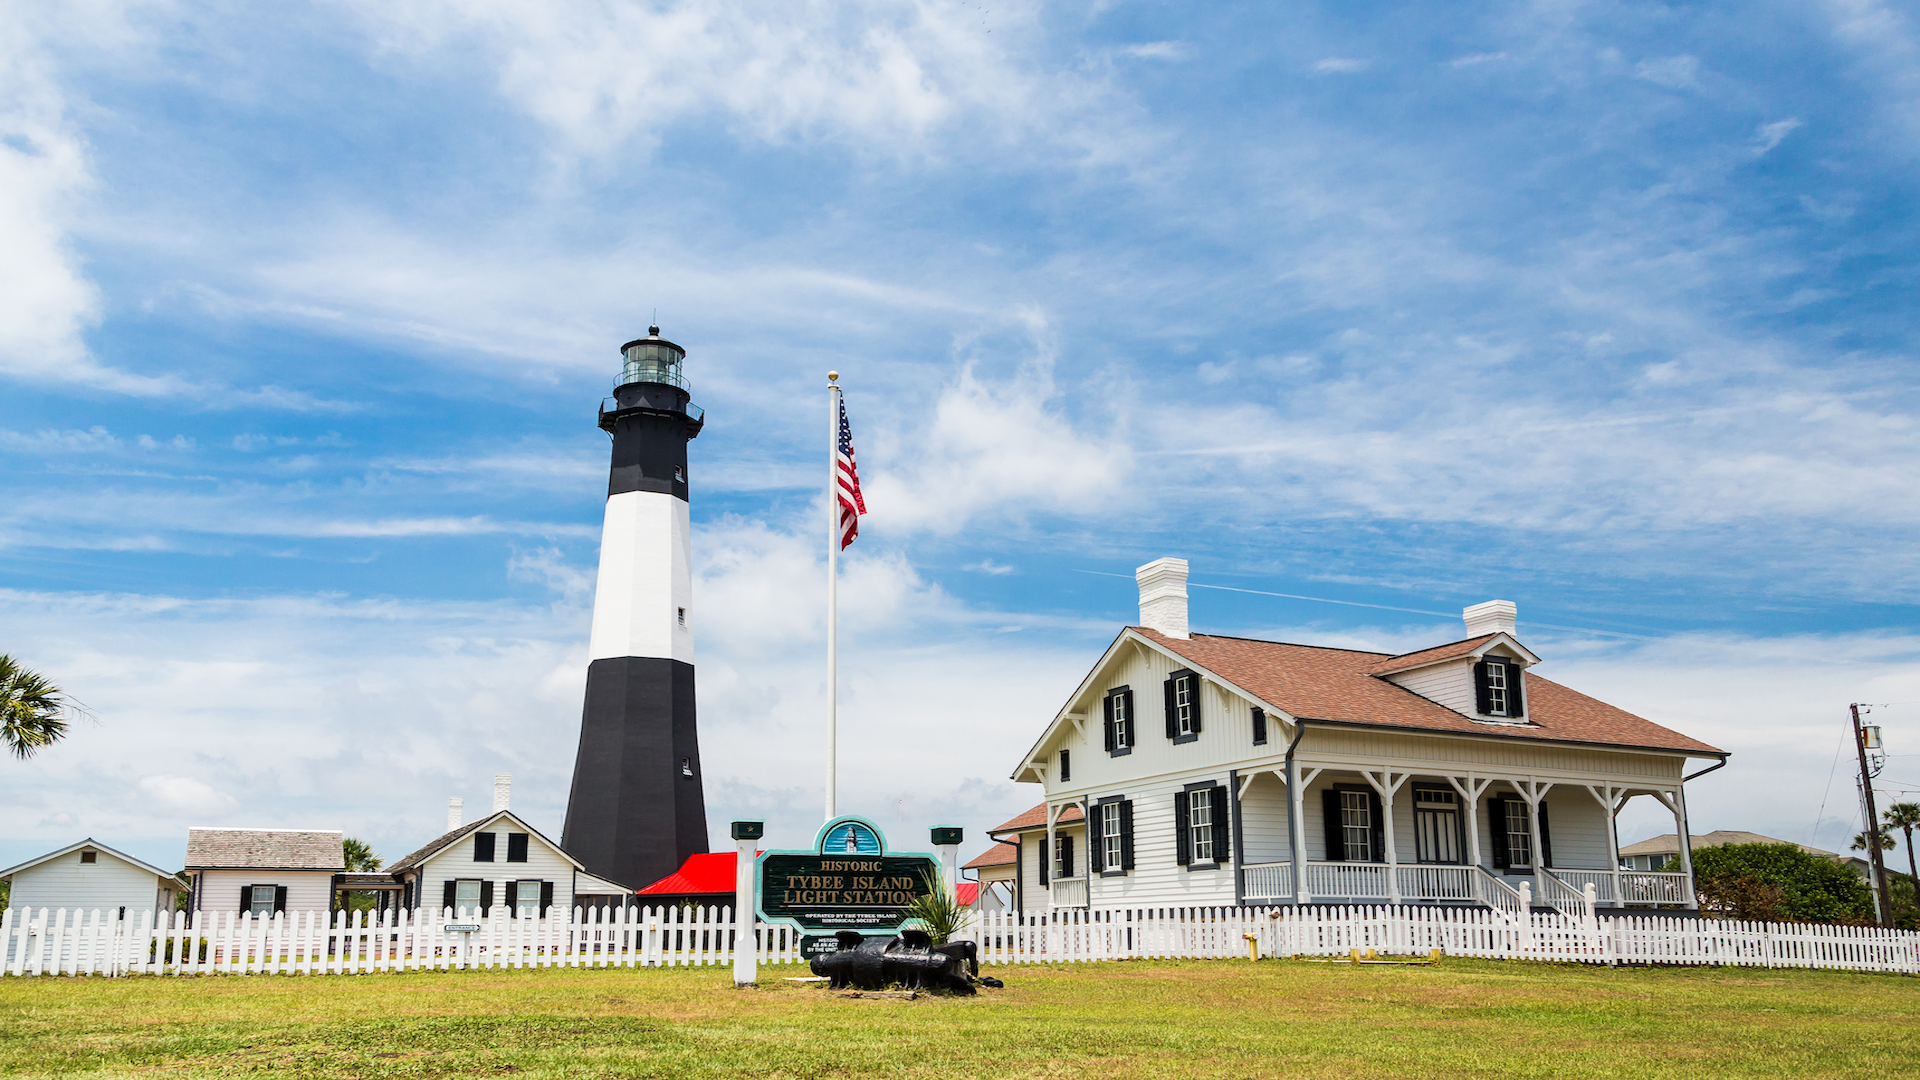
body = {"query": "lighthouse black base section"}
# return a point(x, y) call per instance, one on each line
point(637, 809)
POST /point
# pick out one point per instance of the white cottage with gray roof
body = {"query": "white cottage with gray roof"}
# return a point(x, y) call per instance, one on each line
point(264, 871)
point(90, 876)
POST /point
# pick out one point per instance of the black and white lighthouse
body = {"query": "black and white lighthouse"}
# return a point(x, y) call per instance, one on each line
point(637, 810)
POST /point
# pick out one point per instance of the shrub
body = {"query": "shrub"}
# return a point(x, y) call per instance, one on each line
point(1778, 883)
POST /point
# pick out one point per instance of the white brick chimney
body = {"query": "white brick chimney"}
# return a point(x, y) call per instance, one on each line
point(453, 812)
point(1163, 596)
point(502, 788)
point(1492, 617)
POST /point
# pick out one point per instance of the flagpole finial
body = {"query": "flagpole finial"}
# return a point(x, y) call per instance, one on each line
point(833, 376)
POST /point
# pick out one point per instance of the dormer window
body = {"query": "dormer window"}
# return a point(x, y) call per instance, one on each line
point(1498, 689)
point(1183, 706)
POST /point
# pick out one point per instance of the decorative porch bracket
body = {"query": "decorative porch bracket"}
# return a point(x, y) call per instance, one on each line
point(1053, 818)
point(1533, 791)
point(1382, 780)
point(1470, 788)
point(1612, 798)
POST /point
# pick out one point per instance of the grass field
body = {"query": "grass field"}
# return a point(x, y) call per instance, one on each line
point(1483, 1019)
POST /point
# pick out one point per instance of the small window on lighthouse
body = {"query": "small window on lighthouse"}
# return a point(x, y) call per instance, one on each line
point(683, 616)
point(686, 766)
point(680, 474)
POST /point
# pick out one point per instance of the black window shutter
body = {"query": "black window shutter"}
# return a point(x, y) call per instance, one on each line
point(1193, 700)
point(1497, 827)
point(1107, 722)
point(449, 894)
point(517, 847)
point(279, 898)
point(246, 898)
point(1173, 713)
point(486, 897)
point(1546, 838)
point(1066, 766)
point(1482, 701)
point(1259, 726)
point(1133, 719)
point(1066, 856)
point(1376, 813)
point(1222, 826)
point(1336, 842)
point(513, 898)
point(1182, 829)
point(1516, 692)
point(1096, 841)
point(546, 898)
point(1046, 860)
point(1126, 834)
point(483, 847)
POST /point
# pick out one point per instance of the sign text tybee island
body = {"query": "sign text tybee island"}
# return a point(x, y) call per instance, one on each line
point(849, 881)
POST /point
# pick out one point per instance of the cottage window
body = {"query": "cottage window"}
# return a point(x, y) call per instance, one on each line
point(1062, 857)
point(89, 857)
point(1259, 727)
point(1496, 689)
point(1183, 710)
point(483, 847)
point(1356, 826)
point(1119, 721)
point(516, 847)
point(1111, 850)
point(1066, 767)
point(1519, 835)
point(466, 897)
point(1201, 808)
point(527, 899)
point(1436, 825)
point(260, 899)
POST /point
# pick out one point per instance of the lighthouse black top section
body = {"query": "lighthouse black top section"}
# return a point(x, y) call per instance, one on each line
point(651, 421)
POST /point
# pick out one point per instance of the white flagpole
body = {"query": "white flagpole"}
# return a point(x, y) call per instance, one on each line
point(833, 584)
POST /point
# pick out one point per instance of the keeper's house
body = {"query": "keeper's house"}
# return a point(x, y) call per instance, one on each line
point(498, 866)
point(1193, 769)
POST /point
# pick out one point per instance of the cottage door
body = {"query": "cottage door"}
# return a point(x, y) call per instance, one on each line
point(1436, 823)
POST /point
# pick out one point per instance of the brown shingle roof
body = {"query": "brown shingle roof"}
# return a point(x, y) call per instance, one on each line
point(1334, 684)
point(264, 849)
point(999, 854)
point(1036, 818)
point(1428, 656)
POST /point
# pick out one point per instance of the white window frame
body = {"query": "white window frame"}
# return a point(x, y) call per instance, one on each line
point(1122, 723)
point(462, 904)
point(254, 893)
point(1112, 849)
point(1066, 766)
point(1185, 689)
point(1356, 826)
point(1060, 842)
point(524, 908)
point(1498, 700)
point(1200, 823)
point(1519, 834)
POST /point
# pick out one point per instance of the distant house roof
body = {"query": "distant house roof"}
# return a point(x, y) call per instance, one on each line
point(1000, 854)
point(367, 881)
point(96, 845)
point(1035, 818)
point(1670, 843)
point(265, 849)
point(707, 872)
point(967, 893)
point(450, 837)
point(1336, 685)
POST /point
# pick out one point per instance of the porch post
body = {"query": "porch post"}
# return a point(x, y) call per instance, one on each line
point(1613, 844)
point(1296, 832)
point(1685, 836)
point(1393, 855)
point(1046, 866)
point(1535, 793)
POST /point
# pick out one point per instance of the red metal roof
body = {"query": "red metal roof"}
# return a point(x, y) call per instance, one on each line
point(967, 892)
point(710, 872)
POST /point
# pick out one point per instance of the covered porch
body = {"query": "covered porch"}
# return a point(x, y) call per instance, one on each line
point(1349, 833)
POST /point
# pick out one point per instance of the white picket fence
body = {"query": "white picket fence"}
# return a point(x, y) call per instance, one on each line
point(77, 943)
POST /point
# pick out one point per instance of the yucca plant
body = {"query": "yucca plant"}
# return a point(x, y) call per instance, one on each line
point(942, 916)
point(33, 710)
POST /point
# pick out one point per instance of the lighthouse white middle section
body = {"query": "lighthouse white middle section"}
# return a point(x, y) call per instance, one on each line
point(646, 579)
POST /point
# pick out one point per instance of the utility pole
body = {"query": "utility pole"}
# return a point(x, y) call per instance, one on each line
point(1872, 835)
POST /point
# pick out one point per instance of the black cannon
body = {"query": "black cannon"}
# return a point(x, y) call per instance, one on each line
point(910, 959)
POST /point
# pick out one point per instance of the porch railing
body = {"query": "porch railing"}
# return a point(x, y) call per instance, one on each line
point(1648, 887)
point(1267, 881)
point(1069, 892)
point(1436, 883)
point(1563, 897)
point(1346, 880)
point(1500, 896)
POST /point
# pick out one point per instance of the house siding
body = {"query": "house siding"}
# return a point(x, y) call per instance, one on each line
point(544, 863)
point(307, 890)
point(107, 885)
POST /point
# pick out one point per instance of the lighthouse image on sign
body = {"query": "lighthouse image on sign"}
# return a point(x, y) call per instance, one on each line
point(637, 810)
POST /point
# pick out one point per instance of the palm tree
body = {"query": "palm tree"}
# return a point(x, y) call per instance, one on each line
point(360, 856)
point(1883, 836)
point(33, 711)
point(1905, 816)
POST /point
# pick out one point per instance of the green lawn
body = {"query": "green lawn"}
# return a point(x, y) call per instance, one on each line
point(1482, 1019)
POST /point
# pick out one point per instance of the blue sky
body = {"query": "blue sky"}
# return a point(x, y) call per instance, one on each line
point(1602, 308)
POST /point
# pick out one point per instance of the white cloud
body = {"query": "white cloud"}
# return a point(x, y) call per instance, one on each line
point(1338, 65)
point(184, 796)
point(1159, 50)
point(94, 439)
point(1472, 59)
point(1769, 135)
point(1673, 72)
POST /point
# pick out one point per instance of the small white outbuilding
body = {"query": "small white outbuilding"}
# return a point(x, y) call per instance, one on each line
point(90, 876)
point(264, 871)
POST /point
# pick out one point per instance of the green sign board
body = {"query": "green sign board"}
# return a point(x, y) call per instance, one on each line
point(849, 881)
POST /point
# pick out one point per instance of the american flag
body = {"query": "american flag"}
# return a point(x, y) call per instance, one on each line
point(851, 504)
